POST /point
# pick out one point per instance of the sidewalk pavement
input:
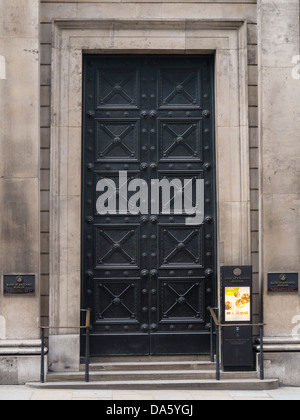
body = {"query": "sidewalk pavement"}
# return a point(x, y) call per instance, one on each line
point(20, 392)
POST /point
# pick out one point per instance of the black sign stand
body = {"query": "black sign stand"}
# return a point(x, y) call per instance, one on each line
point(237, 299)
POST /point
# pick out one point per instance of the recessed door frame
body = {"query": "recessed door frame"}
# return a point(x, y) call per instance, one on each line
point(228, 41)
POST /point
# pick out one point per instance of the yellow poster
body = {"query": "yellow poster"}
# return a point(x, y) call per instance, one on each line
point(237, 304)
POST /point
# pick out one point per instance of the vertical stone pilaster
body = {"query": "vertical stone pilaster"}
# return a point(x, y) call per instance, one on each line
point(279, 126)
point(19, 163)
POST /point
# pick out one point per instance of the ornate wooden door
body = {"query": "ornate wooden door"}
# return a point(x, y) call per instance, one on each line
point(148, 277)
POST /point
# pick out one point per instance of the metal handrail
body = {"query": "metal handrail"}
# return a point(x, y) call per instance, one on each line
point(87, 327)
point(214, 319)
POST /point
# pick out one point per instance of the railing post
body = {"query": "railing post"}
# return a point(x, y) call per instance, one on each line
point(87, 345)
point(43, 356)
point(217, 353)
point(212, 356)
point(261, 357)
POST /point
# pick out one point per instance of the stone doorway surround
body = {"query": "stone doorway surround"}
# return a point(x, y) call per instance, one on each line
point(227, 39)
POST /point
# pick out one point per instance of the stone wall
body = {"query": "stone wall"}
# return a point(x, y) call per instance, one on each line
point(279, 123)
point(279, 145)
point(19, 185)
point(111, 9)
point(19, 163)
point(273, 45)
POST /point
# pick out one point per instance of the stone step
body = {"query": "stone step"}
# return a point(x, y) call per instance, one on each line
point(196, 384)
point(158, 365)
point(155, 375)
point(149, 359)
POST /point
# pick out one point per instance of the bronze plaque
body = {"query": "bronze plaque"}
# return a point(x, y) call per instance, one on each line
point(283, 283)
point(19, 284)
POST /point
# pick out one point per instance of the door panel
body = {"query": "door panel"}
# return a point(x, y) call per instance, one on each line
point(148, 277)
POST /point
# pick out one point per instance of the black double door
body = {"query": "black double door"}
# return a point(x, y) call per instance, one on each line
point(148, 269)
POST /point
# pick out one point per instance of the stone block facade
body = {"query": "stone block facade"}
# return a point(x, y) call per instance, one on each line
point(257, 48)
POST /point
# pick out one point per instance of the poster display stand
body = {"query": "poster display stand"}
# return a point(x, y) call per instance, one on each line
point(236, 300)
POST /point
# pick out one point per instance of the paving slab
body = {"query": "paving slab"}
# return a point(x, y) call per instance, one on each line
point(20, 392)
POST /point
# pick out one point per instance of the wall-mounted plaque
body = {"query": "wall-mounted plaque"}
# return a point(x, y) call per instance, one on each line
point(283, 283)
point(19, 284)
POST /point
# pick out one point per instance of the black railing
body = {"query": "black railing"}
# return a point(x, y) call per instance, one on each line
point(87, 327)
point(218, 327)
